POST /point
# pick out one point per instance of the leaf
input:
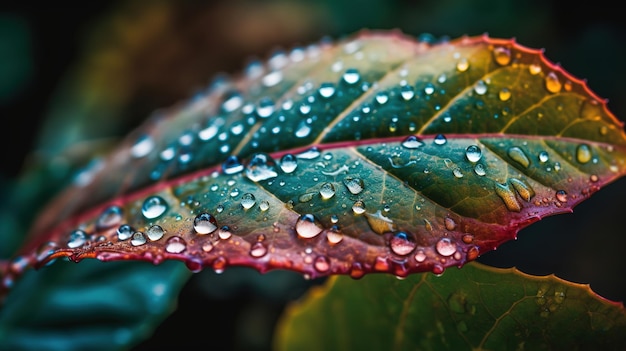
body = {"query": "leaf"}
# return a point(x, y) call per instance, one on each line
point(477, 307)
point(378, 153)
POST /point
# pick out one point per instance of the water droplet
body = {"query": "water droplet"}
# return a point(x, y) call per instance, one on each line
point(557, 166)
point(303, 130)
point(204, 223)
point(234, 192)
point(504, 94)
point(553, 84)
point(462, 65)
point(247, 201)
point(534, 69)
point(480, 88)
point(351, 76)
point(77, 239)
point(429, 89)
point(449, 223)
point(518, 156)
point(321, 264)
point(334, 218)
point(110, 217)
point(354, 185)
point(420, 256)
point(412, 142)
point(502, 55)
point(258, 250)
point(232, 165)
point(237, 128)
point(334, 236)
point(224, 233)
point(583, 153)
point(175, 244)
point(138, 239)
point(593, 178)
point(507, 195)
point(153, 207)
point(305, 109)
point(327, 190)
point(288, 163)
point(261, 167)
point(543, 157)
point(445, 247)
point(265, 107)
point(524, 190)
point(561, 195)
point(479, 169)
point(307, 226)
point(232, 101)
point(440, 139)
point(272, 78)
point(473, 153)
point(401, 245)
point(124, 232)
point(407, 92)
point(309, 154)
point(358, 207)
point(457, 172)
point(264, 205)
point(155, 232)
point(142, 147)
point(382, 98)
point(326, 90)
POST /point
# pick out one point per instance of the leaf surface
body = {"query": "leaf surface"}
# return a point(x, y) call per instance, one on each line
point(375, 153)
point(474, 308)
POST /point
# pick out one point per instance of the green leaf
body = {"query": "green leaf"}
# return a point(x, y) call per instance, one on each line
point(377, 153)
point(477, 307)
point(94, 305)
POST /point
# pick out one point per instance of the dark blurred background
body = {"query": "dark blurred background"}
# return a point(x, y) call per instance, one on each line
point(74, 74)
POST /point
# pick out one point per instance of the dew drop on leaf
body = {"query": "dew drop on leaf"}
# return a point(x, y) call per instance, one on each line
point(534, 69)
point(504, 94)
point(524, 190)
point(334, 236)
point(351, 76)
point(142, 147)
point(303, 130)
point(473, 153)
point(288, 163)
point(204, 223)
point(153, 207)
point(155, 232)
point(583, 153)
point(440, 139)
point(412, 142)
point(543, 157)
point(480, 88)
point(561, 195)
point(326, 90)
point(502, 55)
point(264, 205)
point(462, 65)
point(138, 239)
point(124, 232)
point(401, 245)
point(479, 169)
point(429, 89)
point(110, 217)
point(327, 190)
point(445, 247)
point(321, 264)
point(232, 165)
point(553, 84)
point(77, 239)
point(358, 207)
point(248, 201)
point(507, 195)
point(449, 223)
point(307, 226)
point(382, 98)
point(224, 233)
point(261, 167)
point(518, 155)
point(354, 185)
point(175, 244)
point(258, 250)
point(407, 92)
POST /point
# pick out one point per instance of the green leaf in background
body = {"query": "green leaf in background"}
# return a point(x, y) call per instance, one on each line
point(473, 308)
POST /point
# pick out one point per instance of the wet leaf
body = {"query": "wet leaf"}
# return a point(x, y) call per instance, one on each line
point(477, 307)
point(377, 153)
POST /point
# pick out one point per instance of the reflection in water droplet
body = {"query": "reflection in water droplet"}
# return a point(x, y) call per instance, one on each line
point(153, 207)
point(553, 84)
point(155, 232)
point(175, 244)
point(204, 223)
point(321, 264)
point(440, 139)
point(334, 236)
point(232, 165)
point(401, 244)
point(326, 90)
point(327, 190)
point(264, 205)
point(504, 94)
point(534, 69)
point(583, 153)
point(354, 185)
point(480, 88)
point(307, 226)
point(138, 239)
point(507, 195)
point(124, 232)
point(358, 207)
point(561, 195)
point(518, 156)
point(524, 190)
point(502, 55)
point(473, 153)
point(248, 201)
point(479, 169)
point(77, 239)
point(449, 223)
point(288, 163)
point(420, 256)
point(412, 142)
point(224, 233)
point(407, 93)
point(351, 76)
point(445, 247)
point(258, 250)
point(543, 157)
point(261, 167)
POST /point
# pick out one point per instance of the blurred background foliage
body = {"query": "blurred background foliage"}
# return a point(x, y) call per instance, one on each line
point(74, 79)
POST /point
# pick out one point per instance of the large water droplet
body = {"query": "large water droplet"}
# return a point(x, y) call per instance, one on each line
point(155, 232)
point(480, 88)
point(473, 153)
point(479, 169)
point(258, 250)
point(561, 195)
point(358, 207)
point(77, 239)
point(354, 185)
point(307, 226)
point(124, 232)
point(265, 107)
point(175, 244)
point(142, 147)
point(523, 189)
point(407, 92)
point(261, 167)
point(518, 156)
point(502, 55)
point(334, 235)
point(153, 207)
point(553, 84)
point(110, 217)
point(204, 223)
point(248, 201)
point(224, 233)
point(543, 157)
point(232, 165)
point(445, 247)
point(401, 245)
point(412, 142)
point(351, 76)
point(138, 239)
point(288, 163)
point(327, 190)
point(326, 90)
point(507, 195)
point(440, 139)
point(382, 98)
point(583, 153)
point(504, 94)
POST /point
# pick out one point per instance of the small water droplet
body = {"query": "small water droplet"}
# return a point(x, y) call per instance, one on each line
point(440, 139)
point(155, 232)
point(457, 172)
point(351, 76)
point(420, 256)
point(110, 217)
point(401, 245)
point(219, 265)
point(333, 235)
point(507, 195)
point(480, 88)
point(518, 156)
point(288, 163)
point(412, 142)
point(232, 101)
point(557, 166)
point(77, 239)
point(583, 153)
point(204, 223)
point(358, 207)
point(153, 207)
point(407, 92)
point(334, 218)
point(321, 264)
point(265, 107)
point(445, 247)
point(523, 189)
point(232, 165)
point(479, 169)
point(534, 69)
point(593, 178)
point(307, 226)
point(175, 244)
point(543, 157)
point(258, 250)
point(124, 232)
point(473, 153)
point(504, 94)
point(261, 167)
point(327, 190)
point(449, 223)
point(224, 233)
point(138, 239)
point(382, 98)
point(502, 55)
point(354, 185)
point(462, 65)
point(248, 201)
point(326, 90)
point(553, 84)
point(272, 78)
point(142, 147)
point(305, 109)
point(429, 89)
point(264, 205)
point(303, 130)
point(309, 154)
point(561, 195)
